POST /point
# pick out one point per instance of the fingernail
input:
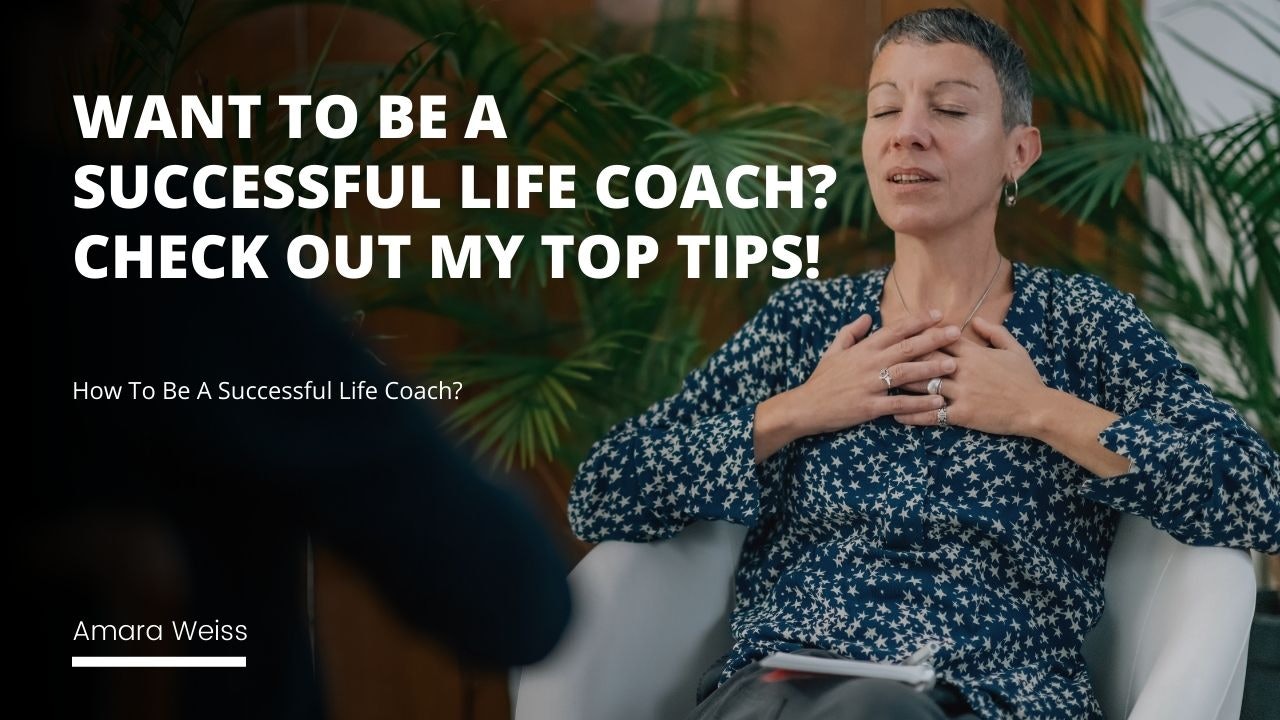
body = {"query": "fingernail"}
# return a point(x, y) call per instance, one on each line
point(953, 332)
point(937, 402)
point(935, 314)
point(948, 365)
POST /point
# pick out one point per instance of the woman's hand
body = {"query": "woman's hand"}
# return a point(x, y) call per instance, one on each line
point(845, 389)
point(994, 389)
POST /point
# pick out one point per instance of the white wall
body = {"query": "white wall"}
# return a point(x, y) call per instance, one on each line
point(1214, 96)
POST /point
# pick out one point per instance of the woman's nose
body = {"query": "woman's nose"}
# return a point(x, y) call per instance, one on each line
point(912, 130)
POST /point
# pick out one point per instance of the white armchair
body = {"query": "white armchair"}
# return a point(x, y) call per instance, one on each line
point(649, 618)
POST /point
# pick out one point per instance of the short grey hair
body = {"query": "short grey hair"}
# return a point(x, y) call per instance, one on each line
point(955, 25)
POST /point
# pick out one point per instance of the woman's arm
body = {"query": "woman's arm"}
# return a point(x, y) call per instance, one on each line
point(778, 422)
point(1157, 443)
point(1071, 426)
point(692, 456)
point(1195, 467)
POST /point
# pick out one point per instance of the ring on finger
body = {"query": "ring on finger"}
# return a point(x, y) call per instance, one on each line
point(935, 386)
point(942, 416)
point(886, 377)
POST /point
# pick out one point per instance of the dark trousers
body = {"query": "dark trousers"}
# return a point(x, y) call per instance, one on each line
point(750, 693)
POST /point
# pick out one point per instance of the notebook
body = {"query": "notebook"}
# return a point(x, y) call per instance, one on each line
point(921, 676)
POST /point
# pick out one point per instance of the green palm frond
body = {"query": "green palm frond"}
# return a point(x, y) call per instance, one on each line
point(524, 406)
point(760, 137)
point(525, 402)
point(150, 45)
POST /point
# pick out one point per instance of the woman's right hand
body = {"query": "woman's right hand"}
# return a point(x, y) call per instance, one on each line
point(845, 388)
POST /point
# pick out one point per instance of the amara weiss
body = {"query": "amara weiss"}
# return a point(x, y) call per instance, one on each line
point(181, 630)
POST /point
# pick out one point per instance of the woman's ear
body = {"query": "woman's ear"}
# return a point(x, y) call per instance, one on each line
point(1024, 149)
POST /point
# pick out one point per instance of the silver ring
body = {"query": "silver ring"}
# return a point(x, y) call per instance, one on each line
point(942, 416)
point(935, 386)
point(886, 377)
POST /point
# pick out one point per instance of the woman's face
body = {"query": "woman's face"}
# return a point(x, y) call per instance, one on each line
point(934, 148)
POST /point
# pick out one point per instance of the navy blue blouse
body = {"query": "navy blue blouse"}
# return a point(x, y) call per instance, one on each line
point(875, 540)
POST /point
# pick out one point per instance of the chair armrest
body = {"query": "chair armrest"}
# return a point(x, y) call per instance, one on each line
point(1173, 640)
point(648, 619)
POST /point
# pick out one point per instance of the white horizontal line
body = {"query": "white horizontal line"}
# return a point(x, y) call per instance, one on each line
point(158, 661)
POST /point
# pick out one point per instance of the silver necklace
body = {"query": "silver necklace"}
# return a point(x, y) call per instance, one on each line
point(990, 283)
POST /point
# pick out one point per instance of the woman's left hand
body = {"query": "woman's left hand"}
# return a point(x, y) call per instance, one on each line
point(993, 389)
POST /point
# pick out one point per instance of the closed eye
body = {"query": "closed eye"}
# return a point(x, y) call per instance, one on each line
point(884, 113)
point(952, 113)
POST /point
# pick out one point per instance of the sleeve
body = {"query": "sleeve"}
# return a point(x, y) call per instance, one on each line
point(692, 456)
point(1197, 470)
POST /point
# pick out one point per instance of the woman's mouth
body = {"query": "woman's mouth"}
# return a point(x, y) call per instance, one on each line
point(908, 179)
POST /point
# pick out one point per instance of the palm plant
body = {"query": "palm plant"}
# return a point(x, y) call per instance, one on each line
point(1213, 276)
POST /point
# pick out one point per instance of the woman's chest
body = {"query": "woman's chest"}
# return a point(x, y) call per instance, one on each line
point(909, 487)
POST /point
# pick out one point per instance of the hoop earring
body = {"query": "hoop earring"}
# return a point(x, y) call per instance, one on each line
point(1011, 198)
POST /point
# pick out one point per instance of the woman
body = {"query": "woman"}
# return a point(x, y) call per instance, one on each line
point(932, 454)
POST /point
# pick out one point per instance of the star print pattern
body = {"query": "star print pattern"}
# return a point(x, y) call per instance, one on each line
point(873, 541)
